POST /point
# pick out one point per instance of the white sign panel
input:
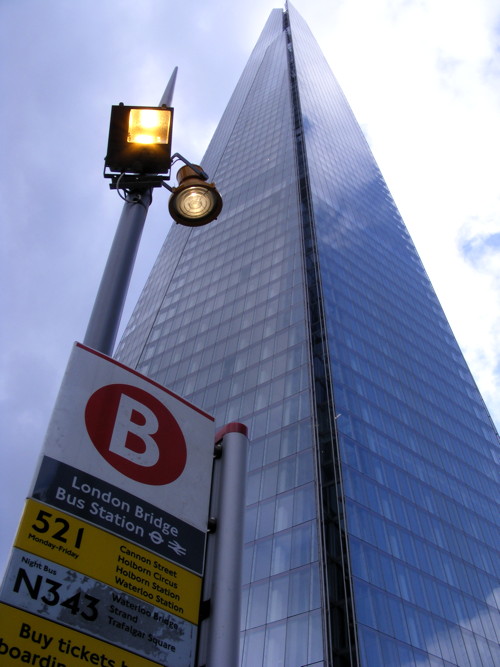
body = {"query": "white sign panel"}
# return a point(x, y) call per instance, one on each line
point(119, 426)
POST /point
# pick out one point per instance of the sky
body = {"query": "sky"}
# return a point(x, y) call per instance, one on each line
point(422, 76)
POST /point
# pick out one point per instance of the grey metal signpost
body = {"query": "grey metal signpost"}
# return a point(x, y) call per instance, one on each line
point(219, 632)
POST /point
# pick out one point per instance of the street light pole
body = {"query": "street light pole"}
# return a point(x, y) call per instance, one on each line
point(106, 314)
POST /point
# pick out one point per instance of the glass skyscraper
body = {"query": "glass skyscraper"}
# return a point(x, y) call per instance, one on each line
point(371, 534)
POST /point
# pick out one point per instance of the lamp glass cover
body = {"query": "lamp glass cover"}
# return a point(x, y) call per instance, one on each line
point(149, 126)
point(195, 202)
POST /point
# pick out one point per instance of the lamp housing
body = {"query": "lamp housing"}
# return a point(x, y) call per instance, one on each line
point(140, 140)
point(194, 202)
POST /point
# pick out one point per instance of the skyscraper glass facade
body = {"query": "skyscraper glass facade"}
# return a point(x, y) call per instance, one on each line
point(371, 534)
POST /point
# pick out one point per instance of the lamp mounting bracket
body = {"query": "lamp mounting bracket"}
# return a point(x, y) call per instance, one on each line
point(136, 181)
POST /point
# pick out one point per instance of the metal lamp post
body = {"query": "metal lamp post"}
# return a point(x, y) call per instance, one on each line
point(139, 159)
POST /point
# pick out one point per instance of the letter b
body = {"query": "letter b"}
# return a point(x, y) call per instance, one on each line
point(128, 431)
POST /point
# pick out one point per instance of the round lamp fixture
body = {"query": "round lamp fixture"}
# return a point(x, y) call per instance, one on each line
point(194, 202)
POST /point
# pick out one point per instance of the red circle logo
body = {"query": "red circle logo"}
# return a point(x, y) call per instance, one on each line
point(136, 434)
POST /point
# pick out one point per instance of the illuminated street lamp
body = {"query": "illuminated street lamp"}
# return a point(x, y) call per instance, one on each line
point(139, 156)
point(138, 159)
point(140, 140)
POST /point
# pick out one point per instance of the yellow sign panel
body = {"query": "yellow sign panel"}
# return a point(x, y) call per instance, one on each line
point(31, 640)
point(80, 546)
